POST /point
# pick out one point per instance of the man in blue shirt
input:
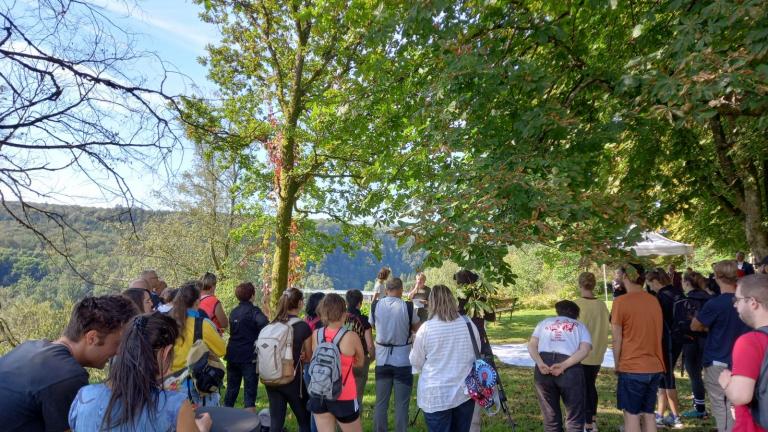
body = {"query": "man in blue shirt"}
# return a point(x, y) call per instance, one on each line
point(723, 326)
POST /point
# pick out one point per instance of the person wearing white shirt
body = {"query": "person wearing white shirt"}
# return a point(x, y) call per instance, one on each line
point(442, 353)
point(558, 345)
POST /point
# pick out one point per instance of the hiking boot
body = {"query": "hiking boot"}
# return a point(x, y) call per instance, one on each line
point(696, 414)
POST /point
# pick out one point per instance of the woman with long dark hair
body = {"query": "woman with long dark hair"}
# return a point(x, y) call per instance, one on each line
point(310, 311)
point(133, 397)
point(140, 297)
point(185, 312)
point(695, 287)
point(293, 393)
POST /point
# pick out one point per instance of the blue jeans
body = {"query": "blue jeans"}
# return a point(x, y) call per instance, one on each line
point(247, 373)
point(457, 419)
point(387, 378)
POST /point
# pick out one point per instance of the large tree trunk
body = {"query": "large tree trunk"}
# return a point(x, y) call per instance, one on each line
point(743, 180)
point(756, 234)
point(280, 264)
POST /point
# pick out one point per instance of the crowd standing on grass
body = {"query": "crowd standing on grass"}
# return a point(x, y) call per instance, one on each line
point(164, 348)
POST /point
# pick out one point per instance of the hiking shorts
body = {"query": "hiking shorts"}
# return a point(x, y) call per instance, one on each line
point(636, 392)
point(344, 411)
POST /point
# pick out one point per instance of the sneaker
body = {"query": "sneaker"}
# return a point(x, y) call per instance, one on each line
point(660, 420)
point(696, 414)
point(673, 421)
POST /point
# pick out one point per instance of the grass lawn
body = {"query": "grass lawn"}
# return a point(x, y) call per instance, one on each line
point(518, 383)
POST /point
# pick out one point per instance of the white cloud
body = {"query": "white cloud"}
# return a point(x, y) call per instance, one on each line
point(192, 34)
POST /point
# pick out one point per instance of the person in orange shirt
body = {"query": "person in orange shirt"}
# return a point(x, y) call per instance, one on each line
point(637, 323)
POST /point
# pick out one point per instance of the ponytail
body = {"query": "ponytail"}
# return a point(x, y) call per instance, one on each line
point(185, 299)
point(289, 300)
point(135, 375)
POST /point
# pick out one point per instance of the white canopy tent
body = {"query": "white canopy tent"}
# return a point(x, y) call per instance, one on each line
point(655, 244)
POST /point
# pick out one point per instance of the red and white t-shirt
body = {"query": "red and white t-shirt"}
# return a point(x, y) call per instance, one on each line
point(561, 335)
point(748, 352)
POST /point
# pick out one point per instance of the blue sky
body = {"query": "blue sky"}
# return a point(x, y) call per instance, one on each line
point(172, 31)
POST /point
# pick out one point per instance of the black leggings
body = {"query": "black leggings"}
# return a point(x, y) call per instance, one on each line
point(293, 394)
point(590, 379)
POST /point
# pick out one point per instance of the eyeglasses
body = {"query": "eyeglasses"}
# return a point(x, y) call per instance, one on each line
point(737, 299)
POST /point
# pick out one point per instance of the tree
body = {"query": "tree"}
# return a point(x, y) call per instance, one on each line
point(571, 124)
point(502, 129)
point(198, 234)
point(290, 65)
point(71, 104)
point(702, 71)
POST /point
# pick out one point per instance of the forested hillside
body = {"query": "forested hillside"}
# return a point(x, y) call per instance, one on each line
point(96, 240)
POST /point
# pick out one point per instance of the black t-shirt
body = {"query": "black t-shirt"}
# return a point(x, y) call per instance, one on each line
point(38, 382)
point(667, 296)
point(245, 323)
point(301, 332)
point(358, 323)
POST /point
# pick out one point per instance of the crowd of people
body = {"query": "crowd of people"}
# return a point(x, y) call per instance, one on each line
point(149, 334)
point(656, 317)
point(152, 336)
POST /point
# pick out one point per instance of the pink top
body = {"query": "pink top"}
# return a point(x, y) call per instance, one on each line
point(348, 387)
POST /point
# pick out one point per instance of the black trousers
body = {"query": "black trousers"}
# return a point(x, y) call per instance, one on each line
point(590, 379)
point(293, 394)
point(245, 372)
point(569, 387)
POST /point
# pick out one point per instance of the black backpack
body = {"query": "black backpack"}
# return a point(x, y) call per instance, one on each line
point(759, 404)
point(683, 312)
point(205, 369)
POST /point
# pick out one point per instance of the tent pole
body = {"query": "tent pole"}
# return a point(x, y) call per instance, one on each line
point(605, 281)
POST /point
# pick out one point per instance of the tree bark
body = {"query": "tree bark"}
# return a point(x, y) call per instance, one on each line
point(756, 234)
point(281, 261)
point(746, 187)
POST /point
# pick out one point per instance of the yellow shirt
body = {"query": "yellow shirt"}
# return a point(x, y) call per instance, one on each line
point(594, 314)
point(181, 348)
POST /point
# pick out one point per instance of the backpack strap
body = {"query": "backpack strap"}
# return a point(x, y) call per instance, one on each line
point(198, 329)
point(340, 334)
point(472, 337)
point(409, 310)
point(373, 311)
point(320, 335)
point(336, 341)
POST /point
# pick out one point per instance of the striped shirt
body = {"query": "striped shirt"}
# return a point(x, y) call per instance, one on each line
point(443, 354)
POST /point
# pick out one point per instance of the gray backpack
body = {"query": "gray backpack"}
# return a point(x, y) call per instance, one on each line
point(759, 404)
point(325, 368)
